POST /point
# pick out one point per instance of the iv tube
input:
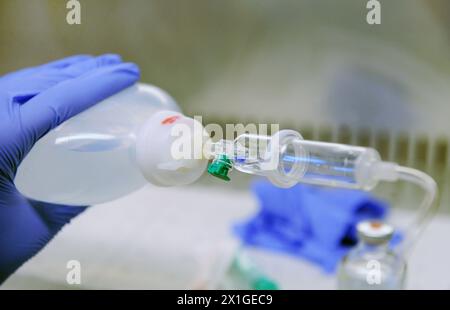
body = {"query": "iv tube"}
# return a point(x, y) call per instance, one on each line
point(427, 208)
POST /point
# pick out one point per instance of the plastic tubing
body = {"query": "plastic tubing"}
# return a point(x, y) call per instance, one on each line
point(427, 207)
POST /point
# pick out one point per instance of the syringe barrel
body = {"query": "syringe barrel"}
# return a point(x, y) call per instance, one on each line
point(286, 159)
point(329, 164)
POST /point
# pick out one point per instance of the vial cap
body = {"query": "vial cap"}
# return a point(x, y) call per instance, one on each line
point(375, 232)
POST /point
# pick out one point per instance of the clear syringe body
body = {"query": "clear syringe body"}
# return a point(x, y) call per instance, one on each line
point(286, 159)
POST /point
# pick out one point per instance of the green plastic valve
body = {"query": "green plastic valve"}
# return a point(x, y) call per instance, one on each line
point(220, 167)
point(264, 283)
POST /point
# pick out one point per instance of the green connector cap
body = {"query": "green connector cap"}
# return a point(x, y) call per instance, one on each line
point(220, 167)
point(263, 283)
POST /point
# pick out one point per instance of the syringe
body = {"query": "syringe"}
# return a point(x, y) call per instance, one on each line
point(286, 159)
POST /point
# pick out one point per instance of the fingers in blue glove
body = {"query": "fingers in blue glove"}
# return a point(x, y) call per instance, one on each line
point(70, 97)
point(57, 64)
point(83, 67)
point(39, 80)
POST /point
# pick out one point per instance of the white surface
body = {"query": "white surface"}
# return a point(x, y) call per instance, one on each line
point(166, 238)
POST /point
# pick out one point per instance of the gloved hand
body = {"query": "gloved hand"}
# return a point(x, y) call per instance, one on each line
point(32, 102)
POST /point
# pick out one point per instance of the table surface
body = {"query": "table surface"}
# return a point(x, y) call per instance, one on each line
point(176, 238)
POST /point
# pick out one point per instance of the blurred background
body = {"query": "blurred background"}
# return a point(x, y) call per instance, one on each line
point(315, 66)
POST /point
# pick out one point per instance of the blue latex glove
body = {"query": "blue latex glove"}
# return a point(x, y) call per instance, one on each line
point(32, 102)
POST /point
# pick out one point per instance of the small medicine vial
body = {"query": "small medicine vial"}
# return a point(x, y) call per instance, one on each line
point(372, 265)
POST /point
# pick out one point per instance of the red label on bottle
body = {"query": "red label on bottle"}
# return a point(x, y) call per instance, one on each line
point(170, 120)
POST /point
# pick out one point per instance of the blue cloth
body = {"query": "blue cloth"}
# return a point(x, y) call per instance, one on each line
point(316, 223)
point(32, 102)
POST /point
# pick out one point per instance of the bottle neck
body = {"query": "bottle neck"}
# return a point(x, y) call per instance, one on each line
point(168, 159)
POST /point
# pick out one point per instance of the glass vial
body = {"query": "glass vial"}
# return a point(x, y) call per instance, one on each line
point(371, 265)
